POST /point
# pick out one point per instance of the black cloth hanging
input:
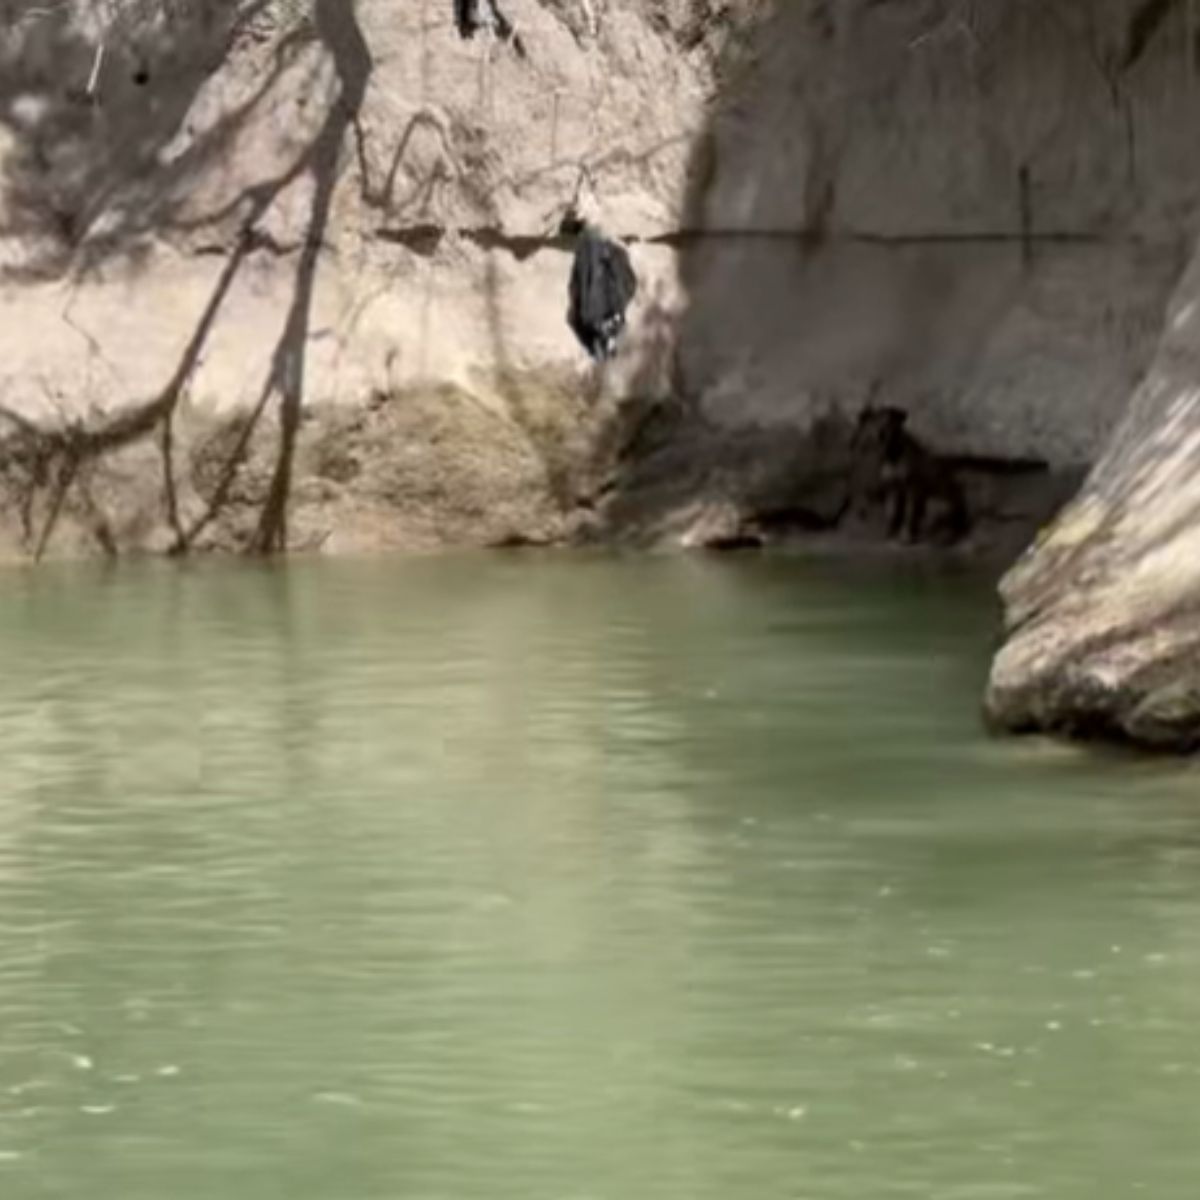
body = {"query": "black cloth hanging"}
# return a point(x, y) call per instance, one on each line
point(602, 286)
point(466, 17)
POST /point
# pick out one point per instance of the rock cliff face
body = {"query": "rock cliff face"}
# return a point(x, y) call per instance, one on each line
point(286, 274)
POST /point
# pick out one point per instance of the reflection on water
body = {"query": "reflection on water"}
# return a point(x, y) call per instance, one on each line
point(571, 878)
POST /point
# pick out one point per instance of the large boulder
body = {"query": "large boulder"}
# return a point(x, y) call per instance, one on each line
point(1103, 612)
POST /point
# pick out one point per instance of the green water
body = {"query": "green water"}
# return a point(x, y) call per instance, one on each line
point(575, 879)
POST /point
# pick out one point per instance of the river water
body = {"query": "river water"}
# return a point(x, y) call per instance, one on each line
point(571, 878)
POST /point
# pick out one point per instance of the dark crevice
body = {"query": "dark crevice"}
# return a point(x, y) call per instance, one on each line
point(520, 246)
point(426, 238)
point(689, 237)
point(423, 239)
point(255, 240)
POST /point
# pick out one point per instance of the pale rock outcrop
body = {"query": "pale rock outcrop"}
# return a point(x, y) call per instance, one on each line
point(1103, 612)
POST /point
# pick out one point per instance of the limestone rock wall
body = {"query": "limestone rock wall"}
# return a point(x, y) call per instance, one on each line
point(272, 232)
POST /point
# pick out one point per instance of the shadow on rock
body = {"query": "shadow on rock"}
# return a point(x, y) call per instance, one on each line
point(91, 175)
point(801, 300)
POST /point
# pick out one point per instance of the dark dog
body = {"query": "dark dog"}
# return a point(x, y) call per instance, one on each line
point(907, 477)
